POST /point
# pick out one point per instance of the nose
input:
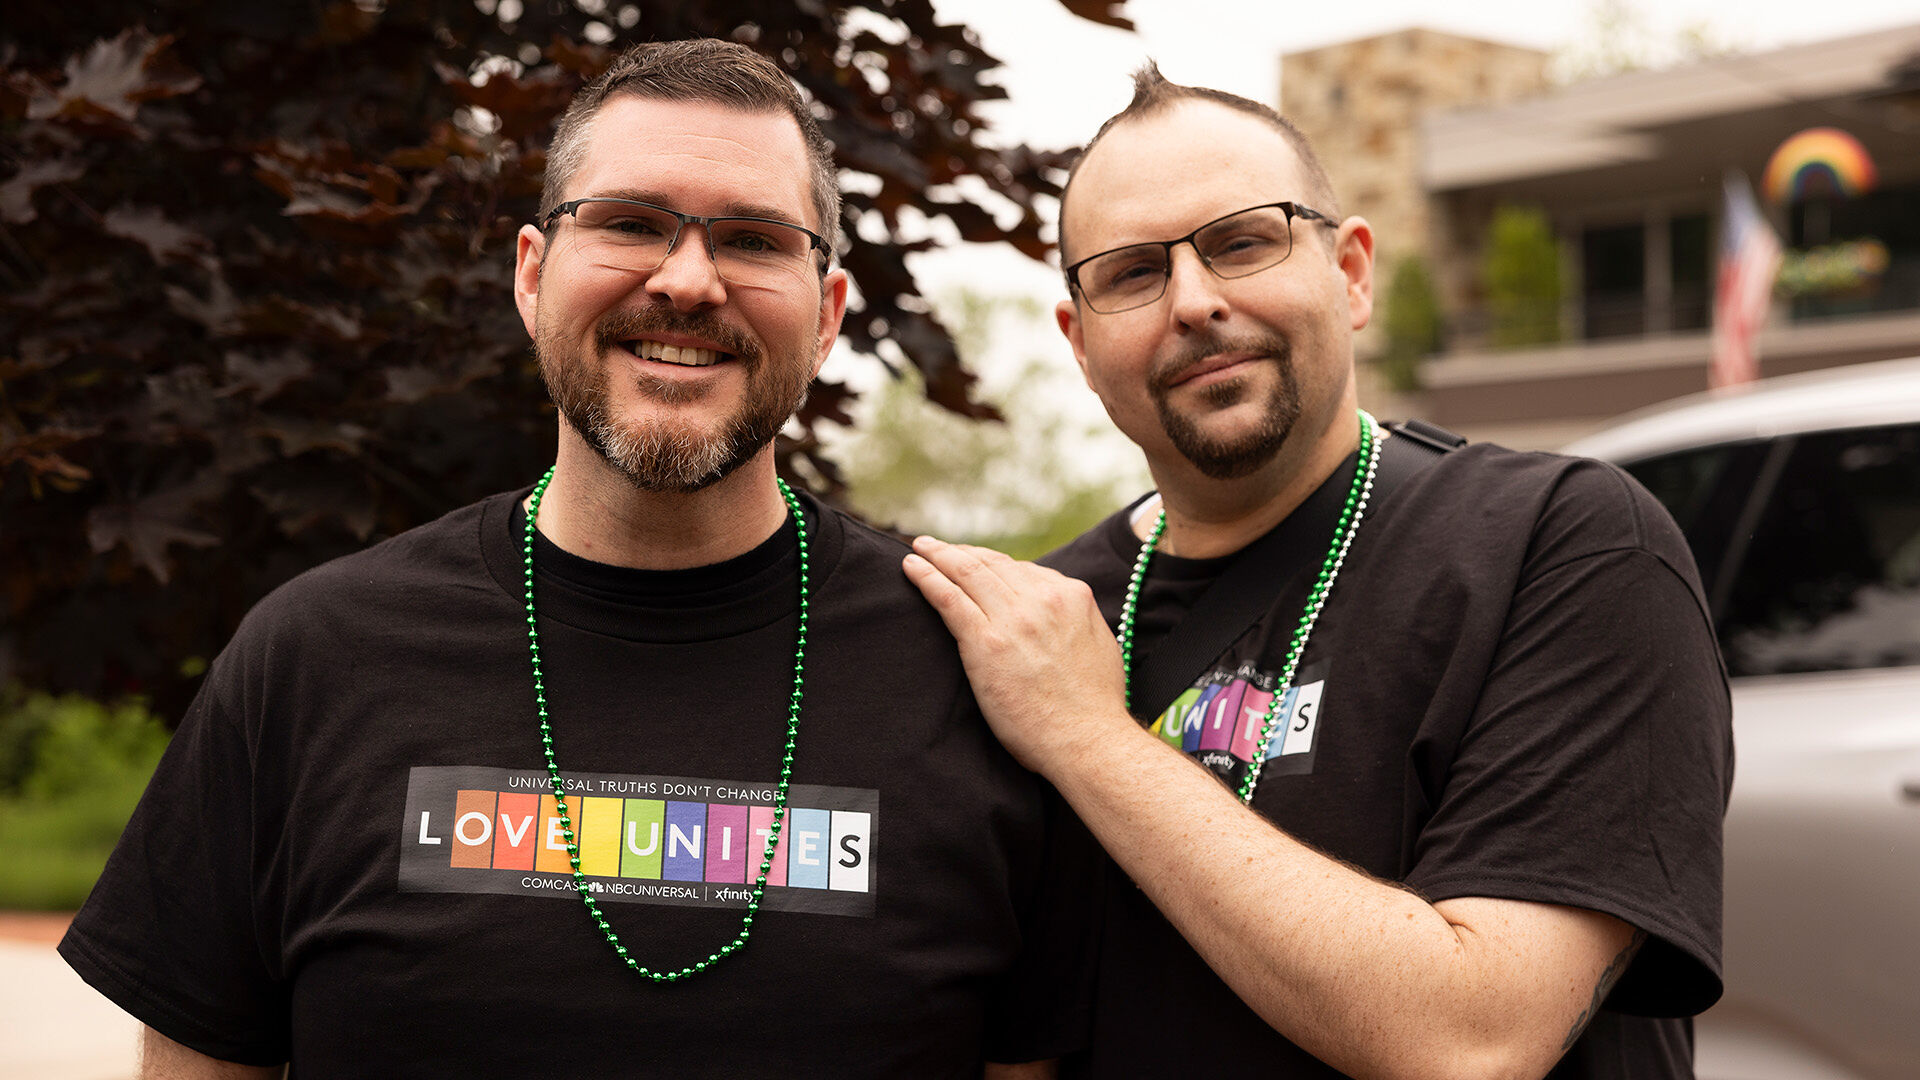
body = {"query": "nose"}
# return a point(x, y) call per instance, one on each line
point(687, 277)
point(1194, 298)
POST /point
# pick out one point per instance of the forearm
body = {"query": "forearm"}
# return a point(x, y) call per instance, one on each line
point(1362, 973)
point(163, 1059)
point(1026, 1070)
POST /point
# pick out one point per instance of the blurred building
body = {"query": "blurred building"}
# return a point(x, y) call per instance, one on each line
point(1362, 104)
point(1428, 134)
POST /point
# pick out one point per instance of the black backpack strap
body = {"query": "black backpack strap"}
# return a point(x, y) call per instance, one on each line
point(1432, 436)
point(1245, 589)
point(1415, 445)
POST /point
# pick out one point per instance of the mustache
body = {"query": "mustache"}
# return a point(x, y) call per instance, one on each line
point(1209, 343)
point(661, 319)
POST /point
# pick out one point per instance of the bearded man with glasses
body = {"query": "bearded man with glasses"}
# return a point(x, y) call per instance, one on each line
point(651, 768)
point(1410, 758)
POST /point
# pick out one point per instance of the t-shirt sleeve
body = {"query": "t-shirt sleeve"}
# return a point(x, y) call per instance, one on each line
point(1595, 768)
point(169, 931)
point(1042, 1007)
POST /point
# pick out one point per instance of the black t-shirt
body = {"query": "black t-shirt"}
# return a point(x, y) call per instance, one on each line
point(350, 856)
point(1512, 692)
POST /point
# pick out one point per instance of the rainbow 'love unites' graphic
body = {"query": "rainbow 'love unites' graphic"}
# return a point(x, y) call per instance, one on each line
point(677, 840)
point(1820, 160)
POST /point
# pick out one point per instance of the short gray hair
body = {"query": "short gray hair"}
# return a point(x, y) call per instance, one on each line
point(700, 69)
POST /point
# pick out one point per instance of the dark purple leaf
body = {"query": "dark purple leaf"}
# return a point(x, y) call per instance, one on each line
point(163, 239)
point(260, 379)
point(112, 79)
point(297, 286)
point(297, 436)
point(218, 314)
point(16, 195)
point(149, 526)
point(301, 504)
point(1106, 12)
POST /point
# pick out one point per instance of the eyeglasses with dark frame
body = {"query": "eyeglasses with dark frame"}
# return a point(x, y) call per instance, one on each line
point(1240, 244)
point(635, 235)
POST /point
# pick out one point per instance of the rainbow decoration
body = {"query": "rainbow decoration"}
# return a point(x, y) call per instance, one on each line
point(1818, 161)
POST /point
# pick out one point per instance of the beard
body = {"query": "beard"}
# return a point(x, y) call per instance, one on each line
point(663, 454)
point(1229, 457)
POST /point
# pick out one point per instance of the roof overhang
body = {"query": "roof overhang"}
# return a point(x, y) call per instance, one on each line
point(1613, 121)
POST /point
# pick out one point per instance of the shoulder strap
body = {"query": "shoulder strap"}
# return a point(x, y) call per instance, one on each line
point(1246, 587)
point(1415, 445)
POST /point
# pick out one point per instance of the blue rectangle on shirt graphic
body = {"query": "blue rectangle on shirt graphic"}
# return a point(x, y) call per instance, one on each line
point(1194, 722)
point(686, 842)
point(812, 832)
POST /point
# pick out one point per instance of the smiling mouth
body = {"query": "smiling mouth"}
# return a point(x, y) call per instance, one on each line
point(1209, 366)
point(680, 355)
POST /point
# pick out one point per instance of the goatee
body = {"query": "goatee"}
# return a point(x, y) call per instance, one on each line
point(1229, 457)
point(664, 454)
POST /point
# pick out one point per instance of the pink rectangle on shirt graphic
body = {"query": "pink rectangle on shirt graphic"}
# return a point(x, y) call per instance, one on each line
point(1246, 730)
point(1223, 714)
point(760, 824)
point(729, 839)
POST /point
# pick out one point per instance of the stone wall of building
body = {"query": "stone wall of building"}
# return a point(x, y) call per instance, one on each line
point(1360, 103)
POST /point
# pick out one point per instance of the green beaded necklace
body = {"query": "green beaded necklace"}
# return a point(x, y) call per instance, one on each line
point(1343, 532)
point(786, 764)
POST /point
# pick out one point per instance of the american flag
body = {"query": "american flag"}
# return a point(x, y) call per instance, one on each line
point(1749, 260)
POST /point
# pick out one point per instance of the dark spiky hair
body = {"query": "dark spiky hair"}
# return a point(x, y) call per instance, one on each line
point(1154, 93)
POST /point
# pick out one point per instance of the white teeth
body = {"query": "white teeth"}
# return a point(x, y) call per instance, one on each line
point(675, 354)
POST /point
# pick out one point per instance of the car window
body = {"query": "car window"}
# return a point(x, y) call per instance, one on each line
point(1830, 577)
point(1706, 489)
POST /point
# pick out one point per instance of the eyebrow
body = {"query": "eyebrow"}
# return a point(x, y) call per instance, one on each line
point(732, 209)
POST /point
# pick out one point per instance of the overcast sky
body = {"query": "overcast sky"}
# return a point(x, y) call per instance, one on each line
point(1065, 75)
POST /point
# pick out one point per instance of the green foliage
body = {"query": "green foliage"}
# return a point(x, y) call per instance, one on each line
point(22, 724)
point(1521, 272)
point(1619, 38)
point(255, 303)
point(1025, 486)
point(71, 771)
point(1834, 269)
point(1412, 322)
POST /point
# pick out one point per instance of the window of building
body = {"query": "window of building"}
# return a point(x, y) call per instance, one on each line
point(1613, 280)
point(1888, 217)
point(1690, 262)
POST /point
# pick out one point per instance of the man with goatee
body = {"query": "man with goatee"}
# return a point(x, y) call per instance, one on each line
point(653, 768)
point(1427, 752)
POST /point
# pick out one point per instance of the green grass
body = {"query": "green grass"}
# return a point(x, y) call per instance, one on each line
point(73, 771)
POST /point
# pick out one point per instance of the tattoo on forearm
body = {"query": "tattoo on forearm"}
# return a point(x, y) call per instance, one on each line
point(1604, 987)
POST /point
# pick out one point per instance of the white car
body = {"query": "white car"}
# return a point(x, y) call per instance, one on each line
point(1801, 499)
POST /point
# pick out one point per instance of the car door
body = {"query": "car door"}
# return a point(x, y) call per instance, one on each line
point(1810, 549)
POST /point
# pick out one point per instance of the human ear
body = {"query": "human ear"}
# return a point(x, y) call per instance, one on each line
point(1353, 253)
point(530, 248)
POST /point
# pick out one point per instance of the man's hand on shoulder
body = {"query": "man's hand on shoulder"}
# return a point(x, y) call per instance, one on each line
point(1044, 666)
